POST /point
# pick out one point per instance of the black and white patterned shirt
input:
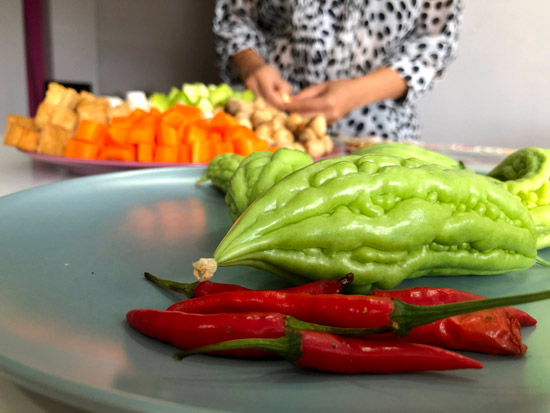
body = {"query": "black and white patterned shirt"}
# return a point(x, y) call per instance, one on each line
point(313, 41)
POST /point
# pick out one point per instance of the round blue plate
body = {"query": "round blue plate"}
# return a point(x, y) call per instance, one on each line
point(72, 257)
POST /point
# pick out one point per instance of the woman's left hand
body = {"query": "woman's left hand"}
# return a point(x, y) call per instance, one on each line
point(332, 99)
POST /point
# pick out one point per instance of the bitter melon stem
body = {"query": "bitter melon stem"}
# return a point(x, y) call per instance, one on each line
point(204, 268)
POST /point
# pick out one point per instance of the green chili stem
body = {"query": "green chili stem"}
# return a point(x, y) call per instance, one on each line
point(294, 323)
point(278, 345)
point(202, 179)
point(542, 261)
point(185, 288)
point(408, 316)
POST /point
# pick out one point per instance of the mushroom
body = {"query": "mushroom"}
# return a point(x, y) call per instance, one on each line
point(264, 132)
point(235, 106)
point(319, 125)
point(315, 147)
point(295, 123)
point(282, 137)
point(307, 135)
point(259, 103)
point(278, 121)
point(261, 116)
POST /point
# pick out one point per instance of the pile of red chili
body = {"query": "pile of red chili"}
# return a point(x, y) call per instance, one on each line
point(315, 326)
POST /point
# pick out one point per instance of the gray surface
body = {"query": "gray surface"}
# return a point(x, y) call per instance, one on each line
point(72, 257)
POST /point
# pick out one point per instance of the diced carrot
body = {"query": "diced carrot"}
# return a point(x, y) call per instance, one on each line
point(227, 147)
point(215, 137)
point(179, 115)
point(193, 132)
point(215, 149)
point(70, 148)
point(174, 119)
point(183, 154)
point(84, 150)
point(142, 133)
point(272, 149)
point(191, 113)
point(88, 131)
point(243, 146)
point(145, 152)
point(122, 119)
point(221, 121)
point(166, 154)
point(137, 114)
point(117, 133)
point(239, 131)
point(259, 145)
point(168, 136)
point(155, 113)
point(102, 136)
point(118, 153)
point(200, 151)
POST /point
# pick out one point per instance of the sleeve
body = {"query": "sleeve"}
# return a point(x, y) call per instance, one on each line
point(425, 54)
point(235, 28)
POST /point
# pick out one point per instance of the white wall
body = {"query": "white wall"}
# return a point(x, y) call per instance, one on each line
point(73, 41)
point(154, 45)
point(498, 90)
point(13, 75)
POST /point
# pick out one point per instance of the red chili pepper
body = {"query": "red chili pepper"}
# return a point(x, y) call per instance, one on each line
point(188, 331)
point(494, 331)
point(327, 352)
point(438, 295)
point(357, 311)
point(200, 289)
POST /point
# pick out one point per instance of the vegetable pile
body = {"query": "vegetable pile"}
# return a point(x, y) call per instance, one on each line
point(207, 98)
point(383, 214)
point(382, 217)
point(314, 326)
point(180, 134)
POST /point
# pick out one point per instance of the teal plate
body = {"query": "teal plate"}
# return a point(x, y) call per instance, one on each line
point(72, 257)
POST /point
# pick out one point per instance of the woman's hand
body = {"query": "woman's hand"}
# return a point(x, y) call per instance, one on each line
point(264, 80)
point(334, 99)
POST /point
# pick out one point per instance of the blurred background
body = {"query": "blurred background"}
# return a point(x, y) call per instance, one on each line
point(496, 93)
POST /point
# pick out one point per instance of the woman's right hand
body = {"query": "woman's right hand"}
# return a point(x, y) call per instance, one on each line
point(263, 79)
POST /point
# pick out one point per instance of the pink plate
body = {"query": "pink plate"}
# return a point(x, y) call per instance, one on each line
point(91, 167)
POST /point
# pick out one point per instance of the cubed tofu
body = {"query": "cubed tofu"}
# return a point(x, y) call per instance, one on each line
point(16, 126)
point(66, 118)
point(96, 110)
point(61, 96)
point(53, 140)
point(121, 110)
point(44, 114)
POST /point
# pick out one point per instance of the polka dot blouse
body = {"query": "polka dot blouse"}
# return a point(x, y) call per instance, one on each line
point(314, 41)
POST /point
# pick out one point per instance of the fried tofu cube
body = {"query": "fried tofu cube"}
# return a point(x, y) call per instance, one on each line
point(53, 140)
point(16, 127)
point(65, 118)
point(43, 114)
point(121, 110)
point(61, 96)
point(22, 138)
point(96, 110)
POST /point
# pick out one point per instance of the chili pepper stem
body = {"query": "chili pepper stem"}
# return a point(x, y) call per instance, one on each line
point(295, 324)
point(185, 288)
point(204, 268)
point(281, 346)
point(542, 261)
point(408, 316)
